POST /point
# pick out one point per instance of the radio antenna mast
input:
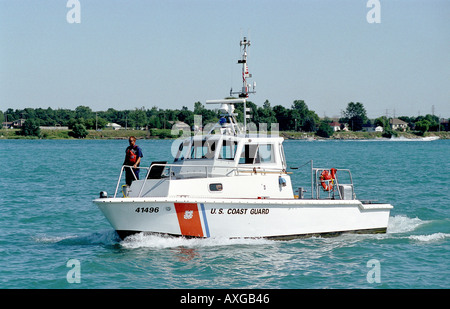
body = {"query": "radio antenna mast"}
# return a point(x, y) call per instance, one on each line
point(244, 43)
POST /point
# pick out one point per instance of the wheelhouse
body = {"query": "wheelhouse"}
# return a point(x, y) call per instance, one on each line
point(219, 150)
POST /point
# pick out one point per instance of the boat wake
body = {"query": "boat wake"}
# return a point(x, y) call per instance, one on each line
point(403, 224)
point(430, 238)
point(143, 240)
point(398, 226)
point(106, 237)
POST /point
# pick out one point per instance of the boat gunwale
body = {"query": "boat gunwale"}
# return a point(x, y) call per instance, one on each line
point(247, 201)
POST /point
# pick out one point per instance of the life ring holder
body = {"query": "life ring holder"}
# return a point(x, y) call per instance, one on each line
point(327, 179)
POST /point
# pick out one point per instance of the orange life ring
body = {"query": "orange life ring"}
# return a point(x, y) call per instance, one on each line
point(327, 179)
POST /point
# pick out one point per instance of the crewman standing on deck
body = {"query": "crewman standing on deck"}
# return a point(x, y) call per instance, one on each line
point(133, 155)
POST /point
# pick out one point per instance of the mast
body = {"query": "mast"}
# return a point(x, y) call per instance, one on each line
point(227, 105)
point(245, 91)
point(245, 75)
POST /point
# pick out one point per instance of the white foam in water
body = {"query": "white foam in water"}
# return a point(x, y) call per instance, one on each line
point(403, 224)
point(429, 238)
point(51, 239)
point(142, 240)
point(106, 237)
point(397, 224)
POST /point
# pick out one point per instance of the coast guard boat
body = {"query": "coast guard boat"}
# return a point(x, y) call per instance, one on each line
point(230, 183)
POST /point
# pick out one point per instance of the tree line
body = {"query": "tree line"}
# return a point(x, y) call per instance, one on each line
point(296, 118)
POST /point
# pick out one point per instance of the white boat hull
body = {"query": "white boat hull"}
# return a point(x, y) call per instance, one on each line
point(242, 218)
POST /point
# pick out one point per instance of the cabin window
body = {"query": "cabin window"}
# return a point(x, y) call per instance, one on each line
point(215, 187)
point(228, 150)
point(265, 154)
point(248, 154)
point(203, 149)
point(255, 154)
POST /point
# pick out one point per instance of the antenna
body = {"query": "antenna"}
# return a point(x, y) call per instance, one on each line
point(244, 44)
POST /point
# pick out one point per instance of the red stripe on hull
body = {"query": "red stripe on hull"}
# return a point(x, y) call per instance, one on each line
point(189, 219)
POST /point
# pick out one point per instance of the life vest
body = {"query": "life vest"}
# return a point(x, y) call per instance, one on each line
point(131, 156)
point(327, 179)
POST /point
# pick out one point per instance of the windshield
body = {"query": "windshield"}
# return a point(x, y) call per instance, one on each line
point(203, 149)
point(228, 150)
point(257, 153)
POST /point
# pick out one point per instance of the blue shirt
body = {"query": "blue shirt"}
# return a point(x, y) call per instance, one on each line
point(136, 150)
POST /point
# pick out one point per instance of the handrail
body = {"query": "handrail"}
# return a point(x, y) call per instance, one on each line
point(120, 176)
point(236, 169)
point(315, 170)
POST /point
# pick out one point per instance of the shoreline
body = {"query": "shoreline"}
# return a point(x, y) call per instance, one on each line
point(165, 134)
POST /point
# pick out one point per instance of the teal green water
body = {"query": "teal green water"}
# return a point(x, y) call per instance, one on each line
point(47, 218)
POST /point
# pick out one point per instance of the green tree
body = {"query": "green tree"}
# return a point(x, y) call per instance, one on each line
point(84, 112)
point(434, 122)
point(62, 116)
point(284, 118)
point(422, 126)
point(325, 130)
point(154, 122)
point(303, 118)
point(266, 115)
point(311, 122)
point(101, 123)
point(138, 118)
point(79, 131)
point(186, 116)
point(30, 128)
point(208, 116)
point(382, 121)
point(356, 123)
point(355, 116)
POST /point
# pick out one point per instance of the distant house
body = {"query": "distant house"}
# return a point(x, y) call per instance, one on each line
point(13, 124)
point(7, 125)
point(113, 126)
point(397, 124)
point(18, 123)
point(336, 126)
point(444, 124)
point(372, 128)
point(179, 125)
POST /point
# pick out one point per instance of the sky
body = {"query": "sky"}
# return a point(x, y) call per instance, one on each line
point(173, 53)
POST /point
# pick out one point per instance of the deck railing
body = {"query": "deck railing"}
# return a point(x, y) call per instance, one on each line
point(316, 183)
point(206, 173)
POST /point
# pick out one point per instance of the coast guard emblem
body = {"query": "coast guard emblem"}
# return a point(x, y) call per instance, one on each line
point(189, 219)
point(188, 214)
